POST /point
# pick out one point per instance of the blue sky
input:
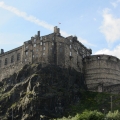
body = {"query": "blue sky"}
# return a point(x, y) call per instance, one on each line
point(96, 23)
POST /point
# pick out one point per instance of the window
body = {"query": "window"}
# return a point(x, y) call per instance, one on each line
point(43, 48)
point(70, 40)
point(77, 52)
point(12, 59)
point(53, 38)
point(43, 43)
point(25, 60)
point(33, 56)
point(26, 47)
point(35, 40)
point(6, 61)
point(98, 57)
point(43, 53)
point(52, 43)
point(0, 63)
point(61, 49)
point(26, 53)
point(40, 38)
point(70, 54)
point(34, 45)
point(70, 46)
point(18, 56)
point(40, 43)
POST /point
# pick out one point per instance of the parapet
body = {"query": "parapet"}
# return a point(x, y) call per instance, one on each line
point(102, 57)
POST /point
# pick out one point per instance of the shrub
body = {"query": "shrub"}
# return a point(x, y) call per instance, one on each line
point(113, 116)
point(90, 115)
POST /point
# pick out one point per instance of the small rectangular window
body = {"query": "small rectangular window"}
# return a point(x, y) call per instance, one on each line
point(40, 43)
point(40, 38)
point(34, 45)
point(70, 54)
point(25, 60)
point(61, 50)
point(12, 59)
point(26, 47)
point(26, 53)
point(43, 53)
point(70, 40)
point(53, 38)
point(6, 61)
point(35, 40)
point(52, 43)
point(18, 56)
point(33, 56)
point(43, 48)
point(70, 46)
point(0, 63)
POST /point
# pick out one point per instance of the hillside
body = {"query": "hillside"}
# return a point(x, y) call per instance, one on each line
point(35, 91)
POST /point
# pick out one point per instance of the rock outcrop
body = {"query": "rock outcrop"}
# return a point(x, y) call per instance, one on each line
point(36, 92)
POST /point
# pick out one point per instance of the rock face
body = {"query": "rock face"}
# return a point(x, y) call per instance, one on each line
point(35, 92)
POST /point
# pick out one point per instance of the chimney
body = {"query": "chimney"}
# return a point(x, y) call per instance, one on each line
point(38, 33)
point(1, 51)
point(57, 30)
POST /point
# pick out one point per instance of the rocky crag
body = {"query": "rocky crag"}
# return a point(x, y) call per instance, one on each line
point(36, 92)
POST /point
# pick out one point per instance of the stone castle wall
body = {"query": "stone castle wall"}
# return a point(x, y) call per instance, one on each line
point(48, 49)
point(10, 62)
point(101, 71)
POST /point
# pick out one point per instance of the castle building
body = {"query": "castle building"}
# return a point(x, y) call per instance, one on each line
point(54, 49)
point(48, 49)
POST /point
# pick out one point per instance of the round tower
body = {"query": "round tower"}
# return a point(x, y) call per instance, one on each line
point(101, 71)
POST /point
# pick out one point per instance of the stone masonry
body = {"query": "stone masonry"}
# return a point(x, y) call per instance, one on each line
point(49, 49)
point(102, 72)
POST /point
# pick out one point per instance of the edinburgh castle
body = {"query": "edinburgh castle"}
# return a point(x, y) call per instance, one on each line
point(101, 72)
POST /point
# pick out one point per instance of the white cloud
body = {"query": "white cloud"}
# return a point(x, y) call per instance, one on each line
point(110, 26)
point(114, 52)
point(36, 20)
point(115, 4)
point(25, 16)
